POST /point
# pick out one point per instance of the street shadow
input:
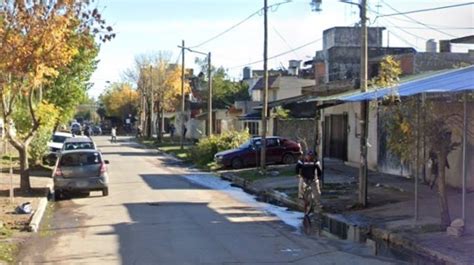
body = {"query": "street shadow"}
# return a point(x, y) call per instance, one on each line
point(33, 192)
point(168, 182)
point(197, 233)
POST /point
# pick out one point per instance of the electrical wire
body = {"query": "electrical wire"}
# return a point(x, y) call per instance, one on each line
point(402, 39)
point(278, 55)
point(225, 31)
point(276, 5)
point(425, 10)
point(285, 41)
point(418, 22)
point(450, 28)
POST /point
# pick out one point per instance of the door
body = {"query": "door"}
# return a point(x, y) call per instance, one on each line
point(336, 136)
point(273, 152)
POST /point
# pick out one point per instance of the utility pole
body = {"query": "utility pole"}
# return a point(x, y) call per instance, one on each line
point(265, 89)
point(150, 105)
point(182, 95)
point(364, 105)
point(209, 101)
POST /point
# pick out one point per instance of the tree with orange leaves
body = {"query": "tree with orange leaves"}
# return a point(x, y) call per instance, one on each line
point(37, 40)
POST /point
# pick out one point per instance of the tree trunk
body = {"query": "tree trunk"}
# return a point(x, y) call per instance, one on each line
point(158, 120)
point(149, 120)
point(443, 197)
point(24, 168)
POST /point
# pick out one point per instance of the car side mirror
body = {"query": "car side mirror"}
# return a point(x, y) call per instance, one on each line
point(106, 162)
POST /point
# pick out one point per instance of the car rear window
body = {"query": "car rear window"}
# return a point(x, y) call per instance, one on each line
point(75, 146)
point(80, 159)
point(59, 139)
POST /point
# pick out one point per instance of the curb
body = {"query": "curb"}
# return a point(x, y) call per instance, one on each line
point(373, 233)
point(253, 189)
point(38, 214)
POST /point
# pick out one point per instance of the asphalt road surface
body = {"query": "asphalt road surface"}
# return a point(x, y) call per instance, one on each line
point(154, 215)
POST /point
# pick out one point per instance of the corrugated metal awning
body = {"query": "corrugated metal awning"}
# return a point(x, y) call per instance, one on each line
point(448, 82)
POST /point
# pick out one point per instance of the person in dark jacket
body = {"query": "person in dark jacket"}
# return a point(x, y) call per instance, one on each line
point(309, 172)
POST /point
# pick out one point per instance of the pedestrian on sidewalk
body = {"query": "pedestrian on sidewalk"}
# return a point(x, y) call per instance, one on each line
point(309, 173)
point(434, 165)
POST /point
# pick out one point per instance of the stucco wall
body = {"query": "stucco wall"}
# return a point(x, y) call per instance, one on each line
point(353, 140)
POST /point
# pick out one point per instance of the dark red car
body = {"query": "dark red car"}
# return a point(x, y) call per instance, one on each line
point(279, 150)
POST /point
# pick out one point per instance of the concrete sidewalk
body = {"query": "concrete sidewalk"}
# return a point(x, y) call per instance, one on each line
point(389, 218)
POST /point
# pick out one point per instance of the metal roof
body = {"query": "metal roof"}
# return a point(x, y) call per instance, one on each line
point(452, 81)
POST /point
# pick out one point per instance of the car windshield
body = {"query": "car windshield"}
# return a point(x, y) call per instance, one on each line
point(246, 144)
point(80, 159)
point(59, 139)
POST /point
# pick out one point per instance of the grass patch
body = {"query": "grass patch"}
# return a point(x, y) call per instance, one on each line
point(177, 151)
point(8, 251)
point(45, 225)
point(255, 174)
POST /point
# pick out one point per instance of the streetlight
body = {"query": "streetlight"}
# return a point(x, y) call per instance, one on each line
point(209, 101)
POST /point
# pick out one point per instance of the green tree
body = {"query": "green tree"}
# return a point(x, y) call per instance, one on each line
point(37, 40)
point(406, 120)
point(225, 91)
point(69, 89)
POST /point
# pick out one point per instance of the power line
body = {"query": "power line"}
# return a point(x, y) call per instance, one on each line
point(418, 22)
point(431, 25)
point(425, 10)
point(402, 29)
point(450, 28)
point(284, 40)
point(278, 55)
point(402, 39)
point(227, 30)
point(276, 5)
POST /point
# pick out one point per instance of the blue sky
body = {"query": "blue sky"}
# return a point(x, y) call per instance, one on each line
point(146, 26)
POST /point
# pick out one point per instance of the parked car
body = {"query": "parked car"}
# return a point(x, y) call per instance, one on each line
point(78, 143)
point(80, 171)
point(96, 130)
point(278, 150)
point(76, 128)
point(55, 146)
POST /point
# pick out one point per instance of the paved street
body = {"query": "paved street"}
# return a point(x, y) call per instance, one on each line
point(156, 216)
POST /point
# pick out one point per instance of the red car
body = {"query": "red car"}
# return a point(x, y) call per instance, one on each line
point(279, 150)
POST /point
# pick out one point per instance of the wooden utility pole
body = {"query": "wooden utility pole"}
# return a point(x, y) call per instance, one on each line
point(364, 105)
point(209, 101)
point(182, 95)
point(265, 89)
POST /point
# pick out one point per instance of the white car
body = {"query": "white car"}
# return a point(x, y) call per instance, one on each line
point(55, 146)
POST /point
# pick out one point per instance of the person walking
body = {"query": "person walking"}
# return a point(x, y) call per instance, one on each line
point(113, 133)
point(171, 129)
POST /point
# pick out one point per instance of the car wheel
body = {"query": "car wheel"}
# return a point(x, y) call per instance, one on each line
point(237, 163)
point(288, 159)
point(105, 192)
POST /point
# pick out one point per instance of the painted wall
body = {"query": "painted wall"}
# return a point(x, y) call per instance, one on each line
point(353, 141)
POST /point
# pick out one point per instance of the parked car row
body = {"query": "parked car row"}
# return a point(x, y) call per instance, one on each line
point(78, 165)
point(278, 150)
point(88, 129)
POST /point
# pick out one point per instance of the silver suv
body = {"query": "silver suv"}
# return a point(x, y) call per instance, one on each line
point(80, 170)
